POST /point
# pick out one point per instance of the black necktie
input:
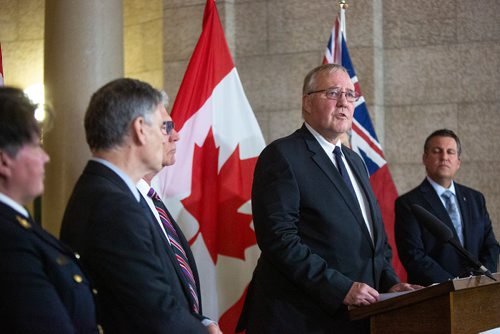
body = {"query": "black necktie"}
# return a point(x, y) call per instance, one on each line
point(342, 170)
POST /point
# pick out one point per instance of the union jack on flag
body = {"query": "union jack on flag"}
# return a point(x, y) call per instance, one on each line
point(364, 140)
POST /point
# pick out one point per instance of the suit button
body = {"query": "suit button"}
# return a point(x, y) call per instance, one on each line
point(77, 278)
point(62, 260)
point(94, 291)
point(77, 256)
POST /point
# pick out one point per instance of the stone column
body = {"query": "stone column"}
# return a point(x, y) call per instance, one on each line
point(83, 51)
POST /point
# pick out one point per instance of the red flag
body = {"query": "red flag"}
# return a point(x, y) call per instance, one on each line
point(208, 190)
point(1, 67)
point(364, 141)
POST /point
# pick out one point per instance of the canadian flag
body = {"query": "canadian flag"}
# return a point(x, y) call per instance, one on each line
point(208, 189)
point(1, 67)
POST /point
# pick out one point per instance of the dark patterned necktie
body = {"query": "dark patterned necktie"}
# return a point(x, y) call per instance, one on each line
point(179, 252)
point(342, 170)
point(451, 207)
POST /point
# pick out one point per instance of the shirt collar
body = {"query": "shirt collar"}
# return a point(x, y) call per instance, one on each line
point(14, 205)
point(325, 144)
point(128, 181)
point(439, 188)
point(143, 187)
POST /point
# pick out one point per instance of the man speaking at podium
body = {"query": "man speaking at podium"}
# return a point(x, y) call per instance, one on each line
point(462, 209)
point(317, 223)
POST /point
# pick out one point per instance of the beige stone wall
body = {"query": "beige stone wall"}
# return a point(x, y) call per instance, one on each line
point(22, 38)
point(442, 69)
point(22, 30)
point(21, 35)
point(421, 66)
point(143, 39)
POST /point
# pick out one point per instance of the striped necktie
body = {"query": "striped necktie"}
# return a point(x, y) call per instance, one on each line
point(179, 252)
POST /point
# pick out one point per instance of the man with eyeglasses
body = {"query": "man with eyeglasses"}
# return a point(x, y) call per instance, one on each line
point(317, 222)
point(186, 293)
point(106, 219)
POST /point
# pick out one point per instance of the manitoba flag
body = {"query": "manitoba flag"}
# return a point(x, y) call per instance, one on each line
point(364, 141)
point(1, 67)
point(208, 189)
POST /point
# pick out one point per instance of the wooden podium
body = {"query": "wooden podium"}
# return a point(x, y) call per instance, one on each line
point(467, 305)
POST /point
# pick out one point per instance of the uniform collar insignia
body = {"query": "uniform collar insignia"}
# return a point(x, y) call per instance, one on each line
point(23, 222)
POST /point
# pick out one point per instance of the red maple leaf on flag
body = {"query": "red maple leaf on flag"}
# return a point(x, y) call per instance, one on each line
point(216, 198)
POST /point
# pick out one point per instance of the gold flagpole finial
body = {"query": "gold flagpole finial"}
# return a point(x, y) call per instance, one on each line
point(343, 4)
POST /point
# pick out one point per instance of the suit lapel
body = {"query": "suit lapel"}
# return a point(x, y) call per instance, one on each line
point(437, 207)
point(190, 258)
point(97, 168)
point(328, 168)
point(463, 205)
point(167, 247)
point(185, 245)
point(48, 238)
point(360, 174)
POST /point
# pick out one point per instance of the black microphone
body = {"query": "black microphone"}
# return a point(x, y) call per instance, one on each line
point(444, 234)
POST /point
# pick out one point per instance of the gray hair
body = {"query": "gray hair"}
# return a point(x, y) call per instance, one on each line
point(310, 79)
point(114, 107)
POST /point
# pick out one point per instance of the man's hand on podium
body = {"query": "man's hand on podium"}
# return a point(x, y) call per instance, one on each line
point(405, 287)
point(361, 294)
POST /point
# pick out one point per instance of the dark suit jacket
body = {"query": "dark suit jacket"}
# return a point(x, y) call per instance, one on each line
point(314, 241)
point(139, 286)
point(427, 260)
point(42, 287)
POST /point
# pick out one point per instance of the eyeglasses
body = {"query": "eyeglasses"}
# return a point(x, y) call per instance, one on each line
point(335, 94)
point(167, 127)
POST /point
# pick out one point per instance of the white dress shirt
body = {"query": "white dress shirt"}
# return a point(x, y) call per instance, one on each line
point(360, 195)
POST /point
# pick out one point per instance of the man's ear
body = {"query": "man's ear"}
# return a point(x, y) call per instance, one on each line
point(5, 164)
point(306, 104)
point(139, 131)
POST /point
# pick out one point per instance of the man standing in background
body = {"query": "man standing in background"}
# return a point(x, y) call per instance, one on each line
point(426, 259)
point(183, 274)
point(106, 218)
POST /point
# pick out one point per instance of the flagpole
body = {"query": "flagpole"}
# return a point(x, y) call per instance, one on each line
point(1, 70)
point(343, 6)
